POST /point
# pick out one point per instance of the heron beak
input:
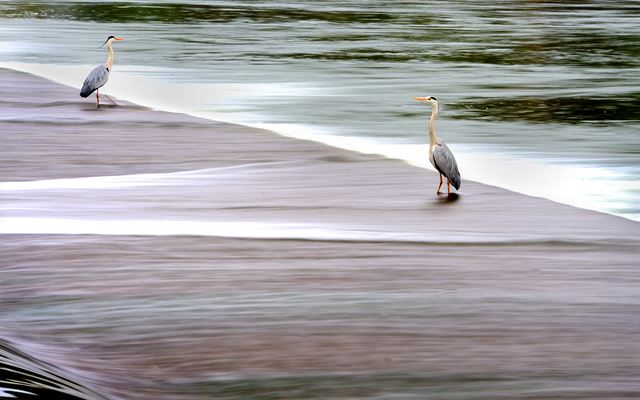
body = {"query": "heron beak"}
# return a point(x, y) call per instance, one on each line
point(421, 98)
point(115, 38)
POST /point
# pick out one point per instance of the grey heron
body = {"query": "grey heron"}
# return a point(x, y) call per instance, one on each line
point(440, 155)
point(100, 74)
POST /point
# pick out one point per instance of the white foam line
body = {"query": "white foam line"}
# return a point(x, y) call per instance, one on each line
point(94, 182)
point(8, 392)
point(125, 181)
point(238, 229)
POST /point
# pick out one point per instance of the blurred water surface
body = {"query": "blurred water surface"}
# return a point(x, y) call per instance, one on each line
point(142, 317)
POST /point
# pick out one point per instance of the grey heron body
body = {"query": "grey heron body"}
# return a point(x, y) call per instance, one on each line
point(440, 155)
point(100, 74)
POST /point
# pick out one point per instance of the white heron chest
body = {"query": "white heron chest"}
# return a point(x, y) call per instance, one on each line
point(431, 149)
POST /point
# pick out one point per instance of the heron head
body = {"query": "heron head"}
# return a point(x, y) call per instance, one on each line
point(430, 100)
point(110, 40)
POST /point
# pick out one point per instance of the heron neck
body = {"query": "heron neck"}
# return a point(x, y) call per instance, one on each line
point(109, 62)
point(433, 138)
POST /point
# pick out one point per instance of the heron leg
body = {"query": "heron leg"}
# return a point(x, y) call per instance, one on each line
point(98, 97)
point(438, 191)
point(111, 100)
point(448, 187)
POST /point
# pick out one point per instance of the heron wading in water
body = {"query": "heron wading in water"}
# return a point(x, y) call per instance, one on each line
point(100, 74)
point(440, 155)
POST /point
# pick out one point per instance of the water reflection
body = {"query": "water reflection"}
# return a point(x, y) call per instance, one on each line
point(449, 198)
point(177, 13)
point(598, 109)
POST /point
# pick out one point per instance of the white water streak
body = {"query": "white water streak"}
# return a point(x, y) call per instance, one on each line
point(236, 229)
point(180, 178)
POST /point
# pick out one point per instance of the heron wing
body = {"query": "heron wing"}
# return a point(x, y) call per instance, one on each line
point(446, 164)
point(96, 79)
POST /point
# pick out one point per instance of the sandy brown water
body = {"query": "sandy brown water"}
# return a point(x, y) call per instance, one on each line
point(404, 294)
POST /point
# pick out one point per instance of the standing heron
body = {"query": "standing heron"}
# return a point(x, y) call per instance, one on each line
point(100, 74)
point(440, 155)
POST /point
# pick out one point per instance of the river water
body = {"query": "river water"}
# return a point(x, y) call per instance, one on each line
point(137, 278)
point(537, 97)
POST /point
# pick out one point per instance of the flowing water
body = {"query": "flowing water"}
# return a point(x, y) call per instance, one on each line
point(537, 97)
point(142, 285)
